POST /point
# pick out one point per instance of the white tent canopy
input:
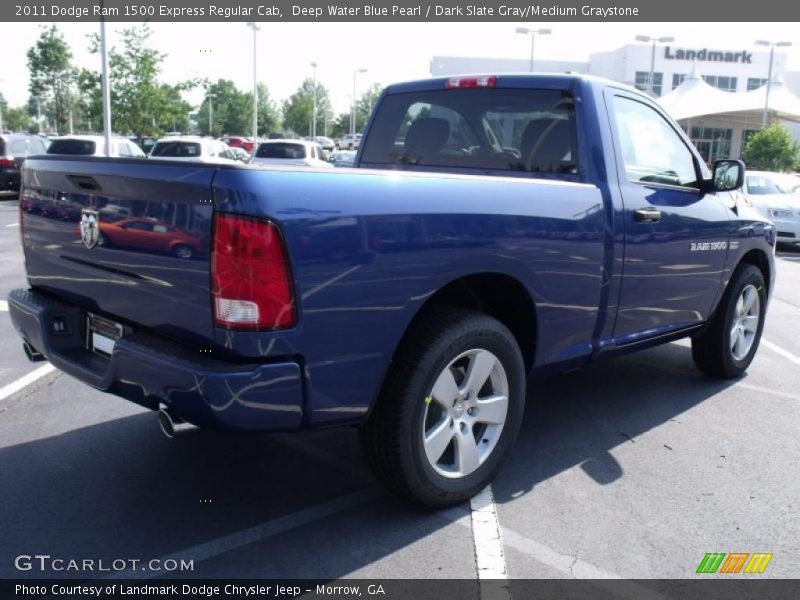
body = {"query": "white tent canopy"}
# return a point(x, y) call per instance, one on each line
point(695, 98)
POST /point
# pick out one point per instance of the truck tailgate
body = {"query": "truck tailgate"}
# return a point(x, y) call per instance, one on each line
point(127, 239)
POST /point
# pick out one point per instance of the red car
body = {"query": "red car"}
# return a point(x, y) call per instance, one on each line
point(151, 236)
point(240, 142)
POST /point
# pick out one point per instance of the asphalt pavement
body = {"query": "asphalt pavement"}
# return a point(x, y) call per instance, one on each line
point(634, 467)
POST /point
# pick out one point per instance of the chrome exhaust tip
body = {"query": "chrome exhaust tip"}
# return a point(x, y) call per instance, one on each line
point(32, 354)
point(171, 425)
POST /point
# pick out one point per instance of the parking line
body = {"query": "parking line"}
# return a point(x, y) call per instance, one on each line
point(22, 382)
point(489, 558)
point(12, 224)
point(3, 306)
point(257, 533)
point(564, 563)
point(784, 353)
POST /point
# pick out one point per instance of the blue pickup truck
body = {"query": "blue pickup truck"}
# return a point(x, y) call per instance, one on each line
point(494, 227)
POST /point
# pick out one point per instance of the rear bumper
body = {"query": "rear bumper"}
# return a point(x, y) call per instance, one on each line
point(150, 370)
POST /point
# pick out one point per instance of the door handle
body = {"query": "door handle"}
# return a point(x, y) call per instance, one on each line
point(647, 215)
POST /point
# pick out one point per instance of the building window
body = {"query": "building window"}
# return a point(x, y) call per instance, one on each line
point(753, 83)
point(722, 82)
point(643, 81)
point(712, 143)
point(677, 79)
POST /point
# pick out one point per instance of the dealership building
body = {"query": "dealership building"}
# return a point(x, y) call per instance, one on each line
point(738, 71)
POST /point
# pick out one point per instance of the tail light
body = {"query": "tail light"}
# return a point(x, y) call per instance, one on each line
point(251, 282)
point(7, 161)
point(482, 81)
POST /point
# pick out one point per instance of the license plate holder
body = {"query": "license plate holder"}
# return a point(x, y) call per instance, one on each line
point(101, 334)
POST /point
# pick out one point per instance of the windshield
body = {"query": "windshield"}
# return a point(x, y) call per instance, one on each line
point(76, 147)
point(788, 184)
point(761, 185)
point(281, 151)
point(176, 149)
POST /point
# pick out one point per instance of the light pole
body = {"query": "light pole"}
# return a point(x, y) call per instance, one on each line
point(1, 115)
point(255, 29)
point(661, 40)
point(106, 88)
point(533, 32)
point(210, 96)
point(314, 113)
point(772, 46)
point(353, 106)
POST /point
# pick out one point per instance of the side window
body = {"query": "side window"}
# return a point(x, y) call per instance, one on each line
point(123, 149)
point(652, 150)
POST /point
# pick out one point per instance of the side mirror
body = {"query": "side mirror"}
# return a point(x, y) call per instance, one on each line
point(728, 175)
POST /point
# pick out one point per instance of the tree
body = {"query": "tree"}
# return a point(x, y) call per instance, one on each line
point(298, 110)
point(772, 149)
point(269, 117)
point(231, 110)
point(365, 105)
point(90, 99)
point(49, 64)
point(16, 119)
point(140, 104)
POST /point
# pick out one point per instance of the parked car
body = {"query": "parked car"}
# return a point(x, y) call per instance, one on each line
point(414, 297)
point(146, 144)
point(342, 158)
point(290, 152)
point(238, 153)
point(777, 197)
point(94, 145)
point(192, 149)
point(150, 235)
point(325, 143)
point(349, 142)
point(14, 149)
point(235, 141)
point(276, 135)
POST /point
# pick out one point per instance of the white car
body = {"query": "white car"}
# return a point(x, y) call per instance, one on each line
point(94, 145)
point(299, 153)
point(349, 141)
point(777, 197)
point(192, 149)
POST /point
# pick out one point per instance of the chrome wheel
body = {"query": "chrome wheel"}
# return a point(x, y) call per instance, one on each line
point(465, 413)
point(745, 322)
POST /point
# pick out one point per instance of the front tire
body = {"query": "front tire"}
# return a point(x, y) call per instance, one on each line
point(450, 409)
point(727, 347)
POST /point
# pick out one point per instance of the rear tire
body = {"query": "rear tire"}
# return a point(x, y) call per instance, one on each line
point(449, 410)
point(183, 251)
point(727, 347)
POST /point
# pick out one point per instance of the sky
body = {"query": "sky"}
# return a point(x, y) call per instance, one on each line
point(390, 52)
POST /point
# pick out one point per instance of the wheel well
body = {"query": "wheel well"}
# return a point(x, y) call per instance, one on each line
point(758, 259)
point(499, 296)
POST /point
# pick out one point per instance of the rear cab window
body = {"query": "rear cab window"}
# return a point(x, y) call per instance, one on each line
point(76, 147)
point(528, 132)
point(176, 149)
point(281, 150)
